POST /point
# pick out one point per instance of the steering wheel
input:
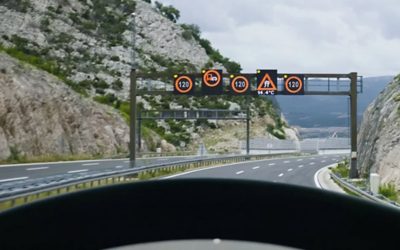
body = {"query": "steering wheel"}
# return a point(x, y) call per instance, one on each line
point(152, 211)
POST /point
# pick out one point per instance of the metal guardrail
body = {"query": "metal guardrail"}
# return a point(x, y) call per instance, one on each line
point(381, 199)
point(19, 193)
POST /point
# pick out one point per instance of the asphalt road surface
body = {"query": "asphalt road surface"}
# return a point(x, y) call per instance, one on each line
point(294, 170)
point(291, 170)
point(20, 172)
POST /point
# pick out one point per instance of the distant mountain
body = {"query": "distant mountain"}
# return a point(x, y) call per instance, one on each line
point(329, 111)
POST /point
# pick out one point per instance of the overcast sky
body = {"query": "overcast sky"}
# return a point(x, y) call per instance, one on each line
point(301, 35)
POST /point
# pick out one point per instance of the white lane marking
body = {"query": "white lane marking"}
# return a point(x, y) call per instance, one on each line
point(77, 171)
point(280, 175)
point(240, 172)
point(313, 158)
point(299, 159)
point(323, 161)
point(119, 166)
point(221, 166)
point(91, 164)
point(14, 179)
point(312, 163)
point(300, 166)
point(286, 162)
point(290, 169)
point(38, 168)
point(316, 180)
point(257, 167)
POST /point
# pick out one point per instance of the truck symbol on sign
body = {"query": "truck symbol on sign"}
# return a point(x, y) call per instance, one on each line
point(212, 78)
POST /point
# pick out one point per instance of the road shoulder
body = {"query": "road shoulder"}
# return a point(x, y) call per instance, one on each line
point(324, 181)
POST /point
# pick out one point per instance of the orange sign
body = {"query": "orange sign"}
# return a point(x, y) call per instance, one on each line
point(294, 84)
point(266, 84)
point(183, 84)
point(240, 84)
point(212, 78)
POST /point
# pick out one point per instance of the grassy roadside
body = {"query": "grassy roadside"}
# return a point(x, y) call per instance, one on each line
point(388, 190)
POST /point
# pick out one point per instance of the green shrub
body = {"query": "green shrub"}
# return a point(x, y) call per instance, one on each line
point(75, 18)
point(87, 84)
point(193, 30)
point(44, 24)
point(187, 35)
point(61, 38)
point(114, 58)
point(342, 169)
point(108, 99)
point(18, 5)
point(389, 191)
point(169, 11)
point(117, 84)
point(15, 155)
point(397, 98)
point(160, 60)
point(100, 84)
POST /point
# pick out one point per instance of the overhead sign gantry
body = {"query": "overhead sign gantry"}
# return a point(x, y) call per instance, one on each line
point(264, 82)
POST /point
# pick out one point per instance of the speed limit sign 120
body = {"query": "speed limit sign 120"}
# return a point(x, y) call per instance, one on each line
point(293, 84)
point(183, 84)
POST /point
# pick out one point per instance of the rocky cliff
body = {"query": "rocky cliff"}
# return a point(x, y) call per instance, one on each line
point(379, 136)
point(40, 115)
point(86, 45)
point(90, 41)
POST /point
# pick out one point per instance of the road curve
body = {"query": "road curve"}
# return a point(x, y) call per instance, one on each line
point(294, 170)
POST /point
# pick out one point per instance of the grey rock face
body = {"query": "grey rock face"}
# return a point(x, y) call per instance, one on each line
point(40, 115)
point(156, 37)
point(379, 136)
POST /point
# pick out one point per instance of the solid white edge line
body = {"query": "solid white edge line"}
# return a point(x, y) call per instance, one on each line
point(38, 168)
point(316, 181)
point(77, 171)
point(14, 179)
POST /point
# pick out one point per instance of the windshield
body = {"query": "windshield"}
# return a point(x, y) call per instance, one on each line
point(98, 93)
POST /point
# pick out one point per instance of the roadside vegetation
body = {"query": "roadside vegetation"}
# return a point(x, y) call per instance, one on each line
point(389, 191)
point(342, 169)
point(16, 158)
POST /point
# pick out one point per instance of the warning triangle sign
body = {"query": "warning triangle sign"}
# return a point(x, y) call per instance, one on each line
point(266, 84)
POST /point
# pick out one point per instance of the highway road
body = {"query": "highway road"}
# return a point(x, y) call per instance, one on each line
point(291, 170)
point(294, 170)
point(18, 172)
